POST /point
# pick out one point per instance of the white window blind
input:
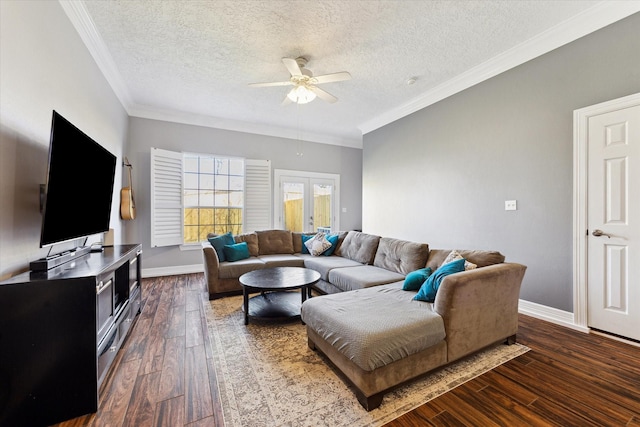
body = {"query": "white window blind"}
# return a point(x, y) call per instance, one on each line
point(166, 198)
point(167, 207)
point(257, 204)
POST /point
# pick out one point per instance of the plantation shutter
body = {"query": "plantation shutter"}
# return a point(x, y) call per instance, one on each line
point(167, 219)
point(257, 198)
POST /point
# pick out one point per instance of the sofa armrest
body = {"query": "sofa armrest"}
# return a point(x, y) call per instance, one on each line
point(479, 307)
point(211, 267)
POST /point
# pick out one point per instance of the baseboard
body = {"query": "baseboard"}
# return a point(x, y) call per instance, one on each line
point(550, 314)
point(172, 271)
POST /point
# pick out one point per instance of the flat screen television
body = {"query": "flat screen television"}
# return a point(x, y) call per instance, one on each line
point(79, 186)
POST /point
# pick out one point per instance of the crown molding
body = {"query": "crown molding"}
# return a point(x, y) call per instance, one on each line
point(240, 126)
point(84, 25)
point(590, 20)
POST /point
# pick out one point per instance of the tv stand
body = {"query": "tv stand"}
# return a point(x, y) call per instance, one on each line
point(55, 260)
point(60, 331)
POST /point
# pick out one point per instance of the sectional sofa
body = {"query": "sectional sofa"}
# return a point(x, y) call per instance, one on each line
point(367, 324)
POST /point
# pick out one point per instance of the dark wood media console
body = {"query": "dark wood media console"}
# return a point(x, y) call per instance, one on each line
point(60, 331)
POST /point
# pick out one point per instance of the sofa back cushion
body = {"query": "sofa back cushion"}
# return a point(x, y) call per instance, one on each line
point(252, 242)
point(479, 258)
point(297, 240)
point(275, 242)
point(359, 246)
point(401, 256)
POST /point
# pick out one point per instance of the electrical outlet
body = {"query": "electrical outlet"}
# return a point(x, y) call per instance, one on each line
point(510, 205)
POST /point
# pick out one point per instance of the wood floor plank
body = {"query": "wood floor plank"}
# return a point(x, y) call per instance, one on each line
point(141, 411)
point(194, 329)
point(172, 374)
point(575, 399)
point(115, 400)
point(522, 411)
point(169, 412)
point(517, 392)
point(197, 397)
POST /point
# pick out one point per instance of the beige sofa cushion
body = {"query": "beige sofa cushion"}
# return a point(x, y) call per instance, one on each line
point(324, 264)
point(358, 246)
point(281, 260)
point(352, 324)
point(272, 242)
point(252, 242)
point(363, 276)
point(479, 258)
point(233, 270)
point(401, 256)
point(297, 240)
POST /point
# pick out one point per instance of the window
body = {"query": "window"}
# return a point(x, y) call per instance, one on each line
point(213, 196)
point(196, 194)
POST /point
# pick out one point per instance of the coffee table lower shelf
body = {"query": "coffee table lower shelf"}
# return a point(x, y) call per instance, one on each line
point(275, 306)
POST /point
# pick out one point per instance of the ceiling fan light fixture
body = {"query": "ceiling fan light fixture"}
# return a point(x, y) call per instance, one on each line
point(301, 95)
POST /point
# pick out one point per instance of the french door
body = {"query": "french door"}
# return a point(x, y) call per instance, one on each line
point(306, 201)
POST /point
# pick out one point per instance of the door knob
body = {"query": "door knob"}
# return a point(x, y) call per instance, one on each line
point(599, 233)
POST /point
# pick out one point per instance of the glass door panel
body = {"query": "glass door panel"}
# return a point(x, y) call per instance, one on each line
point(322, 209)
point(293, 206)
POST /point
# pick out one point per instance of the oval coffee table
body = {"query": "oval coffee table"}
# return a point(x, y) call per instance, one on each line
point(276, 301)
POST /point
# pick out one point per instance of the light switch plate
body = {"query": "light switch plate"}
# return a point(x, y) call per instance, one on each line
point(510, 205)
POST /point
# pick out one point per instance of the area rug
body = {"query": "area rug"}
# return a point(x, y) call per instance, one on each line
point(268, 376)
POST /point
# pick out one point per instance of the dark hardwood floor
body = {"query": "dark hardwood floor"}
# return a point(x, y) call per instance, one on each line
point(165, 376)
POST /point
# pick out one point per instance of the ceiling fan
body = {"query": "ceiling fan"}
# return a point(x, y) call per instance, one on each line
point(304, 82)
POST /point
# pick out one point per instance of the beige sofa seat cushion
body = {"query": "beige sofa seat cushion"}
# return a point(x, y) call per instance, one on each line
point(324, 264)
point(376, 326)
point(362, 276)
point(281, 260)
point(401, 256)
point(358, 246)
point(275, 242)
point(478, 257)
point(233, 270)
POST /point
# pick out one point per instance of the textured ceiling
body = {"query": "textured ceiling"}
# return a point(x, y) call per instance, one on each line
point(193, 60)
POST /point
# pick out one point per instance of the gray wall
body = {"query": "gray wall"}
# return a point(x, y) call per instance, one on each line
point(45, 66)
point(442, 174)
point(144, 134)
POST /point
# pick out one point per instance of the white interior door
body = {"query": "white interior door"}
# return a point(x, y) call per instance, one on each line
point(307, 202)
point(613, 219)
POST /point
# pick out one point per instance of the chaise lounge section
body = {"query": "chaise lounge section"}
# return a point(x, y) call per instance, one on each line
point(380, 337)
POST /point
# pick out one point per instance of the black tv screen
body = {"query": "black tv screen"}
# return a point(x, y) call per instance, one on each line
point(79, 187)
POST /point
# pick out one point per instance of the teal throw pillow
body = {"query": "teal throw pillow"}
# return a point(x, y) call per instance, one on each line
point(415, 279)
point(333, 239)
point(430, 287)
point(218, 243)
point(305, 237)
point(236, 252)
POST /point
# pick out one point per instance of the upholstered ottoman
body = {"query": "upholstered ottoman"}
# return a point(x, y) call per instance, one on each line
point(378, 337)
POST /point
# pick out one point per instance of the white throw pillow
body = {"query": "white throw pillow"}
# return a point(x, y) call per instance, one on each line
point(455, 255)
point(318, 244)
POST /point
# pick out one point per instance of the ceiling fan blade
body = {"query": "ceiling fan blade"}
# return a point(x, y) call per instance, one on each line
point(287, 83)
point(322, 94)
point(286, 100)
point(292, 66)
point(333, 77)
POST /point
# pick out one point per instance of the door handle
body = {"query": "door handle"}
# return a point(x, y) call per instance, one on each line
point(599, 233)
